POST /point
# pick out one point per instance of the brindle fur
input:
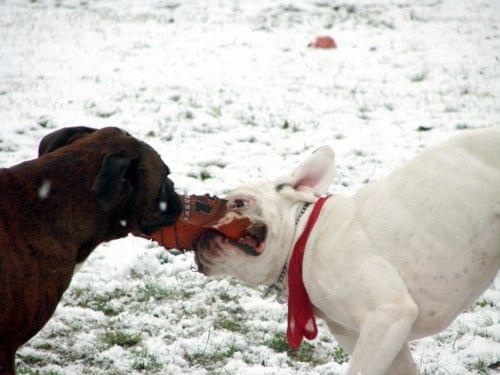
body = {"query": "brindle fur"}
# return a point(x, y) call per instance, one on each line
point(97, 179)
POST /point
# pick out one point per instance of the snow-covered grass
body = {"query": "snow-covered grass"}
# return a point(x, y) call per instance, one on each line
point(227, 91)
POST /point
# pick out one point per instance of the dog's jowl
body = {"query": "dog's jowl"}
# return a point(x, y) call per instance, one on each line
point(87, 186)
point(397, 261)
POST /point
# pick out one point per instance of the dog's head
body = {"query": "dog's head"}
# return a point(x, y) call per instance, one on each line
point(271, 206)
point(124, 178)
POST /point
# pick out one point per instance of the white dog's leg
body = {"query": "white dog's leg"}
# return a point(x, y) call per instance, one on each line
point(346, 339)
point(403, 363)
point(382, 336)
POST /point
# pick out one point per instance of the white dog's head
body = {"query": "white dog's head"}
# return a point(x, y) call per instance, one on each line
point(257, 257)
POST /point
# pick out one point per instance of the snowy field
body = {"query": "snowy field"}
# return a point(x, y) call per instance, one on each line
point(227, 91)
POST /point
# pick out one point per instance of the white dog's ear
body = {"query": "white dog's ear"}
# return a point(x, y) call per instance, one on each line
point(314, 175)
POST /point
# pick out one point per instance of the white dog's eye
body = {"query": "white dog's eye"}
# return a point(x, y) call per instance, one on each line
point(238, 203)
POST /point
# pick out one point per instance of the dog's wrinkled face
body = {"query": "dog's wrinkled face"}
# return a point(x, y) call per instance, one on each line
point(272, 206)
point(130, 185)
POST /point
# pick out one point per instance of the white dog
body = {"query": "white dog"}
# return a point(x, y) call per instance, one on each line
point(397, 261)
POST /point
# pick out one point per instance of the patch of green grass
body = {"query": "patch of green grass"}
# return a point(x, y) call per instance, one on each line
point(25, 370)
point(216, 111)
point(485, 302)
point(154, 291)
point(163, 257)
point(479, 367)
point(304, 354)
point(201, 312)
point(226, 297)
point(461, 330)
point(44, 346)
point(186, 294)
point(430, 369)
point(339, 355)
point(418, 77)
point(146, 361)
point(105, 113)
point(279, 344)
point(389, 106)
point(32, 359)
point(142, 307)
point(443, 338)
point(89, 298)
point(205, 175)
point(487, 321)
point(138, 274)
point(167, 138)
point(363, 111)
point(208, 361)
point(220, 164)
point(230, 324)
point(120, 338)
point(105, 308)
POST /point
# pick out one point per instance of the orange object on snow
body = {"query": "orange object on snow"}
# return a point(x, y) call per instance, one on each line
point(324, 42)
point(200, 214)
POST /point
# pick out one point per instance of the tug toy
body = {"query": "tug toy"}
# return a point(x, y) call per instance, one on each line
point(200, 213)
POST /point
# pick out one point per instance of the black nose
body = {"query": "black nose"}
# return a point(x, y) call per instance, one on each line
point(167, 208)
point(174, 204)
point(201, 269)
point(174, 207)
point(199, 264)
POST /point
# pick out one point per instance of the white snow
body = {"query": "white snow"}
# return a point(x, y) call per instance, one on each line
point(227, 92)
point(163, 206)
point(44, 190)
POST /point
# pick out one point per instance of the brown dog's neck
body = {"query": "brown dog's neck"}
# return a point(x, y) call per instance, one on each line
point(53, 197)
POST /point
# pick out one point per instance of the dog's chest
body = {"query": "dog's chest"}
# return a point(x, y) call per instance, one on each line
point(331, 307)
point(330, 295)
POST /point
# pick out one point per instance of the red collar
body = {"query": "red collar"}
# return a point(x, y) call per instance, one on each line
point(301, 322)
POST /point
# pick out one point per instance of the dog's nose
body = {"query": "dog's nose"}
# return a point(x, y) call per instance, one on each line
point(173, 206)
point(199, 264)
point(201, 268)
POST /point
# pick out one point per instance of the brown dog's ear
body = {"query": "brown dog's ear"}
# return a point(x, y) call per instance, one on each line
point(115, 180)
point(62, 137)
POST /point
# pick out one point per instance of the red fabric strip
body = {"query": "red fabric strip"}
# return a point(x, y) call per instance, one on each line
point(301, 322)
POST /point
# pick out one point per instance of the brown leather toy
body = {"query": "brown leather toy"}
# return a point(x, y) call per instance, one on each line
point(200, 213)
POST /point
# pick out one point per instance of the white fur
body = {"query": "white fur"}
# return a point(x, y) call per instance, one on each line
point(397, 261)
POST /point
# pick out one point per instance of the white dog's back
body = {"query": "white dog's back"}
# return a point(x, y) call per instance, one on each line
point(441, 224)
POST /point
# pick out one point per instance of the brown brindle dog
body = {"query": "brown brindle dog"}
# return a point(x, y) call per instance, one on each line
point(87, 186)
